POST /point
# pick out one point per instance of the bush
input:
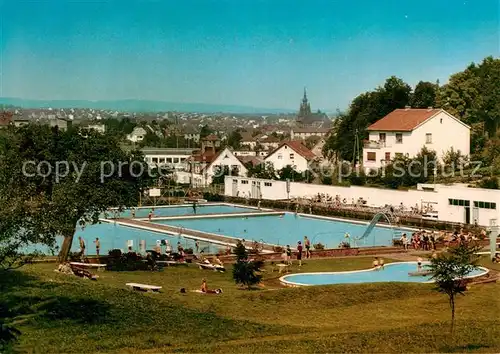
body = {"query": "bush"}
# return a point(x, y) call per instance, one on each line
point(246, 272)
point(489, 183)
point(319, 246)
point(278, 249)
point(118, 261)
point(397, 243)
point(345, 244)
point(188, 251)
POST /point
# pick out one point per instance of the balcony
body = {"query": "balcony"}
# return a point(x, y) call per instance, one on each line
point(375, 144)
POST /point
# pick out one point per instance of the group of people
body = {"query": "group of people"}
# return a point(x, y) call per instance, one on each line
point(420, 240)
point(287, 252)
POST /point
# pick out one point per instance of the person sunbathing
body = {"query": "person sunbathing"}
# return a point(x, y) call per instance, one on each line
point(204, 288)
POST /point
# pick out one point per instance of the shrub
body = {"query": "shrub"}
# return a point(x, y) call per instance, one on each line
point(188, 251)
point(396, 242)
point(246, 272)
point(489, 183)
point(345, 244)
point(278, 249)
point(319, 246)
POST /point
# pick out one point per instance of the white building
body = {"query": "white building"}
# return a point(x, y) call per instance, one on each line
point(137, 135)
point(291, 153)
point(242, 153)
point(304, 133)
point(100, 128)
point(167, 157)
point(453, 203)
point(203, 167)
point(407, 131)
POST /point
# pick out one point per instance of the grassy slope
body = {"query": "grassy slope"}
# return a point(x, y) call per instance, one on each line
point(81, 316)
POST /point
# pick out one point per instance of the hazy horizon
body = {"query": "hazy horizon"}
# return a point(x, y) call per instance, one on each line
point(246, 53)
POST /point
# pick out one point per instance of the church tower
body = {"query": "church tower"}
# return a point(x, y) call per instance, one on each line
point(305, 109)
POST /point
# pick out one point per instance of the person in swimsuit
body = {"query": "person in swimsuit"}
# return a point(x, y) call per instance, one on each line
point(299, 253)
point(150, 215)
point(97, 246)
point(376, 263)
point(307, 243)
point(419, 264)
point(289, 255)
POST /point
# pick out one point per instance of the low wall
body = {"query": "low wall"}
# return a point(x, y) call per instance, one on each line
point(335, 212)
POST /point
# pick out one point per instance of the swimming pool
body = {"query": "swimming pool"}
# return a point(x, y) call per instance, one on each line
point(113, 236)
point(392, 272)
point(177, 210)
point(289, 229)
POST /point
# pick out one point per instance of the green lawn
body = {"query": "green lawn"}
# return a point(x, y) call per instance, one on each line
point(65, 314)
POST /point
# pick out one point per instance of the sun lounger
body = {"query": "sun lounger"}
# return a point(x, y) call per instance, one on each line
point(88, 265)
point(210, 266)
point(171, 263)
point(216, 291)
point(144, 287)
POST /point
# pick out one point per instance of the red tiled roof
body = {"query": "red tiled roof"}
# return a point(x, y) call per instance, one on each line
point(5, 118)
point(403, 120)
point(298, 147)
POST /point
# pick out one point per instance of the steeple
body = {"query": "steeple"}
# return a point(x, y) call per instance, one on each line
point(305, 107)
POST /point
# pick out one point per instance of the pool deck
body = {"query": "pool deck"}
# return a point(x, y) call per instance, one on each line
point(188, 233)
point(246, 214)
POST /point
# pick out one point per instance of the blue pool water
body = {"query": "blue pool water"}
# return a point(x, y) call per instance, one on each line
point(116, 236)
point(288, 229)
point(186, 210)
point(394, 272)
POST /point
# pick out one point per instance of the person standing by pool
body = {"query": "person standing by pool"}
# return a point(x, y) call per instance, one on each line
point(419, 264)
point(299, 253)
point(82, 247)
point(288, 255)
point(404, 241)
point(194, 207)
point(375, 263)
point(307, 243)
point(133, 212)
point(197, 246)
point(97, 246)
point(150, 215)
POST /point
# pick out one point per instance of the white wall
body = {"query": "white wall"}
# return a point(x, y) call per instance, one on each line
point(282, 158)
point(225, 158)
point(276, 190)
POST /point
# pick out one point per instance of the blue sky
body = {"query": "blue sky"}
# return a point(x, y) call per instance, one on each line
point(243, 52)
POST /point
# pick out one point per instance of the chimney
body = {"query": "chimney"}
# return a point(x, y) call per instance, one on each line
point(407, 108)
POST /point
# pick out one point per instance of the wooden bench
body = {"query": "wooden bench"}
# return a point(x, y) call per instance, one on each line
point(171, 263)
point(144, 287)
point(88, 265)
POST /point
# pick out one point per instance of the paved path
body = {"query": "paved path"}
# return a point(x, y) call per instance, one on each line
point(191, 234)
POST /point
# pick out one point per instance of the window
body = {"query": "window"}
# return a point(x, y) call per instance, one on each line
point(176, 160)
point(381, 137)
point(244, 181)
point(280, 156)
point(183, 159)
point(485, 205)
point(428, 138)
point(155, 160)
point(399, 138)
point(292, 156)
point(387, 156)
point(371, 156)
point(459, 202)
point(268, 184)
point(169, 159)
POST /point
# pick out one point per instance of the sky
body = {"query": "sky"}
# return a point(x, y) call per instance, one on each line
point(236, 52)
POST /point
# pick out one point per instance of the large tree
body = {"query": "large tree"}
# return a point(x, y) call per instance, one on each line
point(364, 110)
point(54, 180)
point(424, 95)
